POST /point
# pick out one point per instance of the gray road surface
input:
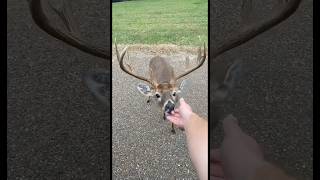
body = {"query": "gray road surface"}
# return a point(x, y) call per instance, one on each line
point(56, 129)
point(273, 100)
point(142, 144)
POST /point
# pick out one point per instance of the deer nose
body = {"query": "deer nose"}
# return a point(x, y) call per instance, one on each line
point(169, 107)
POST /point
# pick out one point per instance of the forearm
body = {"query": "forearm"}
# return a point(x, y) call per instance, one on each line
point(197, 138)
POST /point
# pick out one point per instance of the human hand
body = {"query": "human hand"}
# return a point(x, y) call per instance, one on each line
point(180, 116)
point(239, 155)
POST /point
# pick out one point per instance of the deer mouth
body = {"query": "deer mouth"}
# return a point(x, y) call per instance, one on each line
point(169, 106)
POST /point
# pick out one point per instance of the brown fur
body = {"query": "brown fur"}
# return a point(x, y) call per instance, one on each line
point(161, 73)
point(163, 79)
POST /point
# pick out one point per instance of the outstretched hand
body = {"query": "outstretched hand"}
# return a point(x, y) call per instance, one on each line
point(239, 155)
point(180, 116)
point(196, 130)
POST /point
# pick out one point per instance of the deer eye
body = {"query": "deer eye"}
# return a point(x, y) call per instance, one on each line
point(158, 95)
point(174, 94)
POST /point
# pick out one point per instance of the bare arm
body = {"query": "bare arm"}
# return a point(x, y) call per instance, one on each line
point(197, 139)
point(240, 157)
point(196, 129)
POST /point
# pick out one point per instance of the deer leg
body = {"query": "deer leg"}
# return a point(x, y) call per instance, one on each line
point(173, 131)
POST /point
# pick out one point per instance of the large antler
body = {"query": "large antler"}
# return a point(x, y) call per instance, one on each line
point(284, 10)
point(120, 58)
point(200, 61)
point(69, 37)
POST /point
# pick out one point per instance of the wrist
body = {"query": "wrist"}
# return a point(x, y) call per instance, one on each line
point(195, 125)
point(189, 121)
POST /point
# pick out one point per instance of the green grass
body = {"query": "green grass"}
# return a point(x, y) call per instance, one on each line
point(180, 22)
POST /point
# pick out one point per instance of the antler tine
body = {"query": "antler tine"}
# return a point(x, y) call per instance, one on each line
point(120, 58)
point(41, 19)
point(65, 16)
point(200, 60)
point(251, 31)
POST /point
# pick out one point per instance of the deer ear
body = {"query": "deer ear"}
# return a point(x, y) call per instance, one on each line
point(144, 89)
point(232, 75)
point(183, 85)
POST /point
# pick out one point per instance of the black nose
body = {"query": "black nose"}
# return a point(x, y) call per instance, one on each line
point(169, 107)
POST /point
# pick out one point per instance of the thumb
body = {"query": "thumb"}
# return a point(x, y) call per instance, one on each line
point(231, 127)
point(182, 102)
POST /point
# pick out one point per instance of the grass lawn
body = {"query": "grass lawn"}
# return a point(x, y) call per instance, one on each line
point(179, 22)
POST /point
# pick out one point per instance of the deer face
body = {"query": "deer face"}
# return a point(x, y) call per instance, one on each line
point(164, 89)
point(164, 95)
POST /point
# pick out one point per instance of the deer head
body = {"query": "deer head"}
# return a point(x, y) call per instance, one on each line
point(162, 84)
point(225, 73)
point(96, 80)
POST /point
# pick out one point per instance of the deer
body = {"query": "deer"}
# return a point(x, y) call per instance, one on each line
point(225, 73)
point(162, 84)
point(96, 80)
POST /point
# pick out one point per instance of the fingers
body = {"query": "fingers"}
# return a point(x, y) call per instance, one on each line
point(183, 103)
point(182, 100)
point(215, 165)
point(176, 121)
point(174, 114)
point(184, 107)
point(231, 127)
point(173, 119)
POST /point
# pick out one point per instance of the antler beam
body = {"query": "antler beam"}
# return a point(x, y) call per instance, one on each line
point(41, 19)
point(120, 58)
point(200, 61)
point(250, 31)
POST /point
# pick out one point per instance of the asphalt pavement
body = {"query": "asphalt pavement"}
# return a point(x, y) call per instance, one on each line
point(273, 100)
point(56, 129)
point(142, 144)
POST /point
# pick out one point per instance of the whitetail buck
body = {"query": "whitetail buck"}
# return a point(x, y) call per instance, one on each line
point(162, 82)
point(95, 80)
point(224, 74)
